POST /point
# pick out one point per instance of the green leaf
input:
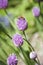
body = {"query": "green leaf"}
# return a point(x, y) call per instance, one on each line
point(2, 63)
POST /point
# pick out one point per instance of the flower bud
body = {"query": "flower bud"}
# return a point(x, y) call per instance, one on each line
point(33, 55)
point(36, 11)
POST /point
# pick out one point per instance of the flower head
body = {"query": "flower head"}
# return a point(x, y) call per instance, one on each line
point(12, 60)
point(33, 55)
point(21, 23)
point(36, 11)
point(3, 3)
point(17, 40)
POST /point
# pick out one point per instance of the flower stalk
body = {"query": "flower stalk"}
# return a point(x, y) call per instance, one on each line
point(38, 62)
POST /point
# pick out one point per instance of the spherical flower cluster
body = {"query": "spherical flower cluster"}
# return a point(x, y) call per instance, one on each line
point(33, 55)
point(17, 40)
point(36, 11)
point(21, 23)
point(3, 3)
point(12, 60)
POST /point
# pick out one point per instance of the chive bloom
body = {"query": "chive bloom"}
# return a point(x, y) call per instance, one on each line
point(36, 11)
point(21, 23)
point(33, 55)
point(3, 3)
point(17, 40)
point(12, 60)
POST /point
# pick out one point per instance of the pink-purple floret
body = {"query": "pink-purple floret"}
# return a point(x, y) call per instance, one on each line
point(17, 40)
point(36, 11)
point(12, 60)
point(3, 3)
point(21, 23)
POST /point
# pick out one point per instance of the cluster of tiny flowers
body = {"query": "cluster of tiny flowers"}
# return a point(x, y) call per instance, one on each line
point(36, 11)
point(21, 23)
point(17, 40)
point(3, 3)
point(33, 55)
point(12, 60)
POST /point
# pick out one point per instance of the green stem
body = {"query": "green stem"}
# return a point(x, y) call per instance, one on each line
point(5, 31)
point(8, 35)
point(39, 21)
point(27, 41)
point(37, 62)
point(31, 47)
point(24, 34)
point(27, 60)
point(10, 20)
point(39, 4)
point(38, 25)
point(29, 44)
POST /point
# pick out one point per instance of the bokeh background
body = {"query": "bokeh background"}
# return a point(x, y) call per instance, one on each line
point(34, 33)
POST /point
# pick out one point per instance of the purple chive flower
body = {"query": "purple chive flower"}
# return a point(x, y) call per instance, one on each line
point(3, 3)
point(36, 11)
point(12, 60)
point(21, 23)
point(17, 40)
point(33, 55)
